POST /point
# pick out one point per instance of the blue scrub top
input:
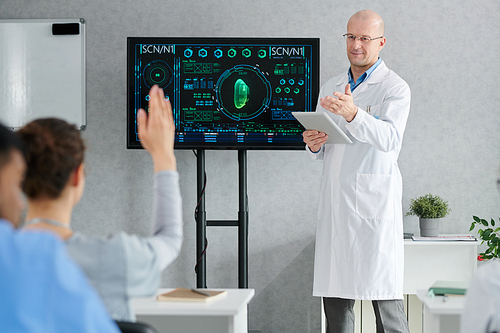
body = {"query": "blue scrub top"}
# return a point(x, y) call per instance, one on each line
point(42, 289)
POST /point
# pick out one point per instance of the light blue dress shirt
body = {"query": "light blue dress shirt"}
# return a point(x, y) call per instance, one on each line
point(363, 77)
point(43, 290)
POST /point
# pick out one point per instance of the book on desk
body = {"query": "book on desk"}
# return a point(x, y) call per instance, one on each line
point(448, 288)
point(191, 295)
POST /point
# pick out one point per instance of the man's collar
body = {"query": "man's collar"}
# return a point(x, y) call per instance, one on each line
point(367, 73)
point(377, 74)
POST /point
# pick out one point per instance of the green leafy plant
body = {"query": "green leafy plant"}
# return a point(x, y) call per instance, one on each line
point(428, 207)
point(488, 235)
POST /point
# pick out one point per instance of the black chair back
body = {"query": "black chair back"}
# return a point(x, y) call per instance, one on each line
point(137, 327)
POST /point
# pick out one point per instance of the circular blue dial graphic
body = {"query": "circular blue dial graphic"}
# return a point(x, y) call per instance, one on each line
point(243, 92)
point(157, 72)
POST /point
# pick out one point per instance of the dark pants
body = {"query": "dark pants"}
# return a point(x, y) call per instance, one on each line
point(390, 315)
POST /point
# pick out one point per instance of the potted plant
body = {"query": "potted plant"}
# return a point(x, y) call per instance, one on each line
point(488, 235)
point(430, 209)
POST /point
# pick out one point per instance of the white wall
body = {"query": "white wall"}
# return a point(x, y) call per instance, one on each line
point(446, 50)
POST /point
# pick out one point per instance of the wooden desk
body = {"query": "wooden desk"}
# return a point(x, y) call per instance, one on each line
point(436, 310)
point(228, 314)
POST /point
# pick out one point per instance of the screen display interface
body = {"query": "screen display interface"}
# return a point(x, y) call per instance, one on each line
point(226, 93)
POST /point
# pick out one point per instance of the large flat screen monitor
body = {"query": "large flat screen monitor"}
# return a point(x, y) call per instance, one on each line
point(226, 93)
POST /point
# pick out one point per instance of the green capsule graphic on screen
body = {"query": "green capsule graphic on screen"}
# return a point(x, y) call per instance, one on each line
point(241, 93)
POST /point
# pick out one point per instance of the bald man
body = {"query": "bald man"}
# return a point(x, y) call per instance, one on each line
point(359, 238)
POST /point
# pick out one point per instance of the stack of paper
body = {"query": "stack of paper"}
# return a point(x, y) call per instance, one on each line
point(445, 238)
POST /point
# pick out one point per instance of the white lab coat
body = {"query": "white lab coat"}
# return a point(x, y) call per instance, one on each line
point(359, 238)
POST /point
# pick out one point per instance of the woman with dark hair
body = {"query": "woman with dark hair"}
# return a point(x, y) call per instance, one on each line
point(120, 266)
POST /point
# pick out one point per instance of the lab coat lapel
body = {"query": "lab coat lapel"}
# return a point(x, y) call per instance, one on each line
point(342, 82)
point(376, 77)
point(378, 74)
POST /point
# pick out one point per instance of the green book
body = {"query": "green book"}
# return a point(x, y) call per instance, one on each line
point(449, 287)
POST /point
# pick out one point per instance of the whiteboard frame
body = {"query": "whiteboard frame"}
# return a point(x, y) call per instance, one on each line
point(27, 92)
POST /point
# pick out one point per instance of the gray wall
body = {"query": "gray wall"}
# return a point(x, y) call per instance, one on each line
point(446, 50)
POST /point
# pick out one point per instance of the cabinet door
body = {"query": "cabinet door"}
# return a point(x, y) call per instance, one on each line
point(413, 310)
point(414, 313)
point(368, 324)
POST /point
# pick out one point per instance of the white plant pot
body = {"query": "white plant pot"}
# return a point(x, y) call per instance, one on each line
point(429, 227)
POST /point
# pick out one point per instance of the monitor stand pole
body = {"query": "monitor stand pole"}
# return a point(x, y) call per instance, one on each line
point(241, 223)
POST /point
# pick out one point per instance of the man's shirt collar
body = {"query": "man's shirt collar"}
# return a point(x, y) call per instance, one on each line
point(363, 77)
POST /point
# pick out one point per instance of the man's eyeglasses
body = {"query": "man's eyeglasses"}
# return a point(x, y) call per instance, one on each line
point(362, 39)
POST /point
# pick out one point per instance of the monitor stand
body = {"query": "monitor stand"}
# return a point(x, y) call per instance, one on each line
point(241, 223)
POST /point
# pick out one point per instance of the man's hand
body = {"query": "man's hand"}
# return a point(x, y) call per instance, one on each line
point(343, 105)
point(314, 139)
point(157, 130)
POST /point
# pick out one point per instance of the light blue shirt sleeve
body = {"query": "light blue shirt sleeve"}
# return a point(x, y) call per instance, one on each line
point(167, 217)
point(148, 256)
point(123, 266)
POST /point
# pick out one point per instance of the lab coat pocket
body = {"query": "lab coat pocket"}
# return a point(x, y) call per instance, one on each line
point(375, 196)
point(373, 110)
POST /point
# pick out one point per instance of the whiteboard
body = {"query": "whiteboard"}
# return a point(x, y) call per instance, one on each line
point(41, 75)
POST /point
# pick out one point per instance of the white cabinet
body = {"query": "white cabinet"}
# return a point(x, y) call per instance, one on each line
point(425, 263)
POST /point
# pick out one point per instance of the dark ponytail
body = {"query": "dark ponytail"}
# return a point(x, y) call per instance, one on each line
point(54, 149)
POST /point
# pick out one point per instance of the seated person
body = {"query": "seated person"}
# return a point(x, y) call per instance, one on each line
point(481, 311)
point(120, 266)
point(41, 288)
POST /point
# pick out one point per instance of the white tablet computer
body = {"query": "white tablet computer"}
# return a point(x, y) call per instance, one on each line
point(320, 121)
